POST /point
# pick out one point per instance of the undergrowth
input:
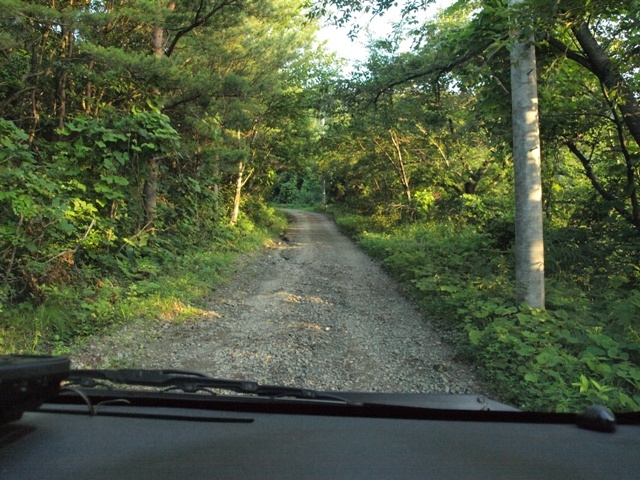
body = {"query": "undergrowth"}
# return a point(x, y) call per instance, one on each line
point(166, 279)
point(584, 349)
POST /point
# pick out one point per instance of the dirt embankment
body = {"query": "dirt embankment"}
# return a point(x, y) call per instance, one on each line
point(312, 311)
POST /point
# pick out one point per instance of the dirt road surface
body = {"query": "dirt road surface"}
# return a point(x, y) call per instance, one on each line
point(312, 311)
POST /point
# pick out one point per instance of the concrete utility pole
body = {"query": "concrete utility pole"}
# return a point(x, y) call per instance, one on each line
point(528, 181)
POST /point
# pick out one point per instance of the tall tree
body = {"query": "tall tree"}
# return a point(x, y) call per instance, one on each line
point(527, 158)
point(474, 40)
point(113, 117)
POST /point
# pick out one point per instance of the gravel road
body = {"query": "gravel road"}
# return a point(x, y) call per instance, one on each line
point(311, 311)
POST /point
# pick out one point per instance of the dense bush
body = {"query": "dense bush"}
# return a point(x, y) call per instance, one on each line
point(124, 161)
point(78, 253)
point(584, 349)
point(297, 189)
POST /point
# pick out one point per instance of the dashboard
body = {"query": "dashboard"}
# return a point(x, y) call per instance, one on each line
point(235, 442)
point(90, 430)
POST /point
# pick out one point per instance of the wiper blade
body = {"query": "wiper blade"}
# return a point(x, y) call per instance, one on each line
point(191, 382)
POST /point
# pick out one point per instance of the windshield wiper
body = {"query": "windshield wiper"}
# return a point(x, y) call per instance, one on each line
point(191, 382)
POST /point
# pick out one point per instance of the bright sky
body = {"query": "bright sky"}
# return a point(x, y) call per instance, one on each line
point(378, 27)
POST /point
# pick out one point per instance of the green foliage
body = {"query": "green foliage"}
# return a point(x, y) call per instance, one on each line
point(119, 160)
point(297, 189)
point(98, 124)
point(584, 349)
point(420, 167)
point(153, 284)
point(424, 203)
point(71, 202)
point(263, 216)
point(566, 354)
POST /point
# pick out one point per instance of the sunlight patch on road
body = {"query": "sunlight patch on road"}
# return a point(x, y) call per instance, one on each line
point(309, 326)
point(176, 311)
point(291, 298)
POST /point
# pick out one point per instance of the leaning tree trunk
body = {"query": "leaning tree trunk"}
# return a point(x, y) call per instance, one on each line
point(611, 77)
point(400, 166)
point(528, 182)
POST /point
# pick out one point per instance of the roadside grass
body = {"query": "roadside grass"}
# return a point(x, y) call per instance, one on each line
point(154, 283)
point(583, 349)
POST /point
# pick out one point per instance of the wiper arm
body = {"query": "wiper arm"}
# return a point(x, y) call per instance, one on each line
point(190, 382)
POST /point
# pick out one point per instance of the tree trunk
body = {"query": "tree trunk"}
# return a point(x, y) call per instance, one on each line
point(236, 199)
point(400, 168)
point(66, 49)
point(216, 175)
point(151, 191)
point(324, 192)
point(62, 99)
point(153, 167)
point(528, 182)
point(158, 41)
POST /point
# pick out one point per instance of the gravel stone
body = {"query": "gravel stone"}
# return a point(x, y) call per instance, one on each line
point(313, 312)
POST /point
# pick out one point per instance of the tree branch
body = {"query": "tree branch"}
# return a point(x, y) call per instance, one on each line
point(618, 205)
point(75, 249)
point(560, 47)
point(197, 22)
point(631, 169)
point(610, 76)
point(445, 68)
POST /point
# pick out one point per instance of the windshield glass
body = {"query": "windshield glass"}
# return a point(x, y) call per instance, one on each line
point(336, 195)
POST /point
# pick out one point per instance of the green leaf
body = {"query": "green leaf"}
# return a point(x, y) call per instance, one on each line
point(600, 388)
point(121, 157)
point(626, 401)
point(526, 350)
point(475, 336)
point(597, 351)
point(603, 369)
point(506, 310)
point(617, 354)
point(66, 226)
point(549, 357)
point(449, 288)
point(583, 384)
